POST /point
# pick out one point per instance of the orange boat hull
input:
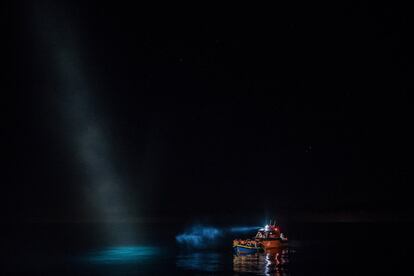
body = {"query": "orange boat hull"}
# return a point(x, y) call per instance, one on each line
point(267, 244)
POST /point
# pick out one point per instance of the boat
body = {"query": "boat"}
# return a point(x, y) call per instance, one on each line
point(268, 237)
point(246, 246)
point(271, 237)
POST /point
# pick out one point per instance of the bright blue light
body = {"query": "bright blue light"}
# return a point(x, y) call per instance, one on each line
point(199, 236)
point(243, 229)
point(122, 254)
point(204, 236)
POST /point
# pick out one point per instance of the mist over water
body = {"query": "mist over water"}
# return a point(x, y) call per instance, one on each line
point(206, 236)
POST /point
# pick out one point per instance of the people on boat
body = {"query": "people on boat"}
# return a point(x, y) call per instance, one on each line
point(248, 242)
point(268, 237)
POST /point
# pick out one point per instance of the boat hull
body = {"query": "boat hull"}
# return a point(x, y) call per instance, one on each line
point(273, 243)
point(242, 249)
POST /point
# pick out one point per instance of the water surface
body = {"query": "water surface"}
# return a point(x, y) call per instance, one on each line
point(314, 249)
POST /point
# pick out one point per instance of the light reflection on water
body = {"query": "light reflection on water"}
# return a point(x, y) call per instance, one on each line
point(122, 254)
point(200, 261)
point(271, 262)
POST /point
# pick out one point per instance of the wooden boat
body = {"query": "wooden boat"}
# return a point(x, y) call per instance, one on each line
point(247, 246)
point(244, 249)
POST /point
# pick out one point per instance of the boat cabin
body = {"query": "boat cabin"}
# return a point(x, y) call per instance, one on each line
point(268, 232)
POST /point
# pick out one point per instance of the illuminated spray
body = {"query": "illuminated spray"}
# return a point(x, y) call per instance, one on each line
point(243, 229)
point(200, 236)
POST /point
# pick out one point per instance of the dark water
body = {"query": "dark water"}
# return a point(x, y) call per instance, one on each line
point(315, 249)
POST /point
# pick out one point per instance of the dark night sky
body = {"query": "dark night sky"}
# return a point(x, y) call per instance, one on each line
point(297, 108)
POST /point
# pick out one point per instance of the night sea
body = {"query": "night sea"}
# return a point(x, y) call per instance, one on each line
point(314, 249)
point(144, 140)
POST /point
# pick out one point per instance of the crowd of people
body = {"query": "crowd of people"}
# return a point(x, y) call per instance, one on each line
point(248, 242)
point(266, 235)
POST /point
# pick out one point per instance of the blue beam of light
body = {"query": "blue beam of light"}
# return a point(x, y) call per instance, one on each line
point(83, 123)
point(200, 237)
point(243, 229)
point(122, 255)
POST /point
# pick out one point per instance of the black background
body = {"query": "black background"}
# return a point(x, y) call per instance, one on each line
point(217, 110)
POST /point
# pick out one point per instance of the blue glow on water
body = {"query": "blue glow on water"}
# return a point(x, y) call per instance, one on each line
point(199, 236)
point(244, 229)
point(122, 254)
